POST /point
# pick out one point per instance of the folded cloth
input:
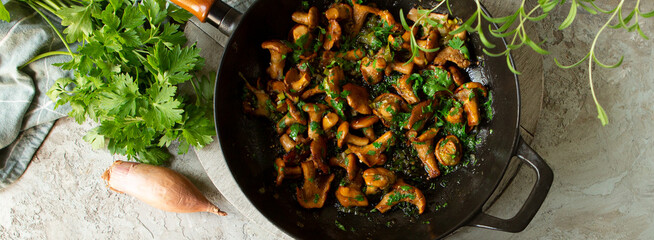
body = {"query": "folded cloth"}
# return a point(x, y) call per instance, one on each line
point(27, 113)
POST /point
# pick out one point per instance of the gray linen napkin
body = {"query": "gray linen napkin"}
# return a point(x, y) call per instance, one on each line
point(26, 113)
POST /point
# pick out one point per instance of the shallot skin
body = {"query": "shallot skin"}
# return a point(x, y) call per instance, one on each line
point(159, 187)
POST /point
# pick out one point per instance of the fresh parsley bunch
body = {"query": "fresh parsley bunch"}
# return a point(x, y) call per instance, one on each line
point(128, 68)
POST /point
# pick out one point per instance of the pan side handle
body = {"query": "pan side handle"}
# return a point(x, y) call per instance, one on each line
point(219, 14)
point(544, 178)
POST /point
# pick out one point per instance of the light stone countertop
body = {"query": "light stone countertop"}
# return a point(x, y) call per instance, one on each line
point(603, 186)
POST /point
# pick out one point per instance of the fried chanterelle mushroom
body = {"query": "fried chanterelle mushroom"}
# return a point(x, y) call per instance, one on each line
point(402, 192)
point(314, 190)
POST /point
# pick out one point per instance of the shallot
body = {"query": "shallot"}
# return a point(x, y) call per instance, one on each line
point(159, 187)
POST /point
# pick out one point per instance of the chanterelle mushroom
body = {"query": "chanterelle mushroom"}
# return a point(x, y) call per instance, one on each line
point(277, 50)
point(449, 54)
point(348, 163)
point(358, 98)
point(448, 150)
point(259, 107)
point(300, 31)
point(338, 12)
point(318, 150)
point(343, 136)
point(378, 179)
point(350, 195)
point(360, 13)
point(386, 106)
point(420, 113)
point(333, 35)
point(404, 87)
point(371, 154)
point(296, 81)
point(466, 94)
point(314, 191)
point(373, 69)
point(402, 192)
point(364, 122)
point(424, 145)
point(310, 19)
point(315, 112)
point(284, 171)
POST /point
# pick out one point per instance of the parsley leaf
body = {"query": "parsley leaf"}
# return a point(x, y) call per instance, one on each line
point(459, 44)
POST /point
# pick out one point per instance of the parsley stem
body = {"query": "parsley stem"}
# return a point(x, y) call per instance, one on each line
point(52, 26)
point(44, 55)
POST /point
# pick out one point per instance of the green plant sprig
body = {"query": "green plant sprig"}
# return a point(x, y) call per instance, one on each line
point(508, 27)
point(415, 47)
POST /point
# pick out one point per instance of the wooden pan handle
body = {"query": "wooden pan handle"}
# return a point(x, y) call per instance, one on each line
point(199, 8)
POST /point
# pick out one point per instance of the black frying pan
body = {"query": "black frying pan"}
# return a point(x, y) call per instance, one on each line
point(245, 140)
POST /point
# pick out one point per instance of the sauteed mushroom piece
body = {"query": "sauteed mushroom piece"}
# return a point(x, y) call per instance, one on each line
point(310, 18)
point(430, 43)
point(372, 69)
point(349, 163)
point(420, 113)
point(338, 12)
point(364, 122)
point(449, 54)
point(425, 149)
point(388, 18)
point(314, 191)
point(332, 82)
point(402, 192)
point(329, 121)
point(300, 31)
point(343, 136)
point(296, 81)
point(371, 154)
point(318, 150)
point(352, 55)
point(296, 114)
point(426, 135)
point(350, 195)
point(401, 67)
point(277, 52)
point(405, 88)
point(360, 13)
point(299, 153)
point(466, 94)
point(457, 76)
point(385, 106)
point(284, 171)
point(369, 132)
point(378, 179)
point(311, 92)
point(448, 151)
point(315, 112)
point(333, 35)
point(261, 99)
point(455, 114)
point(287, 143)
point(358, 98)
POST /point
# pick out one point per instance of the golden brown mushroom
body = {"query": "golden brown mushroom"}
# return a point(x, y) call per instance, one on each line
point(466, 95)
point(360, 12)
point(352, 55)
point(420, 113)
point(388, 19)
point(404, 87)
point(277, 52)
point(348, 163)
point(448, 151)
point(332, 82)
point(315, 112)
point(371, 154)
point(455, 114)
point(287, 143)
point(402, 192)
point(284, 171)
point(296, 114)
point(343, 135)
point(338, 12)
point(386, 106)
point(329, 120)
point(430, 43)
point(318, 150)
point(314, 191)
point(350, 195)
point(369, 132)
point(378, 179)
point(440, 18)
point(364, 122)
point(457, 76)
point(333, 35)
point(358, 98)
point(401, 67)
point(425, 149)
point(296, 81)
point(300, 31)
point(372, 69)
point(312, 92)
point(310, 18)
point(261, 108)
point(449, 54)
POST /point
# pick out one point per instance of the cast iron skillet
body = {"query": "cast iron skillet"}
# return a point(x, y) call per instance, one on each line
point(246, 140)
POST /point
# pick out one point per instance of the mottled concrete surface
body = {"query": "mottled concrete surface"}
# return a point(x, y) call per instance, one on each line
point(603, 186)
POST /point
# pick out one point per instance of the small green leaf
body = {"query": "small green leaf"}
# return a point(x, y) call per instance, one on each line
point(556, 61)
point(601, 114)
point(4, 14)
point(571, 16)
point(510, 65)
point(403, 21)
